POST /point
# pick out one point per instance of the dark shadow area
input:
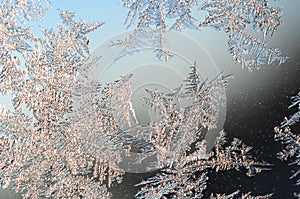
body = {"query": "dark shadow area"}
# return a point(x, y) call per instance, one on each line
point(257, 102)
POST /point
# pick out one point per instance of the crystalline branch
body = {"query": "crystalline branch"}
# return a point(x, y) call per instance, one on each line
point(234, 17)
point(291, 140)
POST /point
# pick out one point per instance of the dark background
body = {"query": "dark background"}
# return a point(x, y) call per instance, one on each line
point(253, 112)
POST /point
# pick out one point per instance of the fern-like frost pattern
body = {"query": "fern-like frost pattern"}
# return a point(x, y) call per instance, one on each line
point(233, 17)
point(291, 140)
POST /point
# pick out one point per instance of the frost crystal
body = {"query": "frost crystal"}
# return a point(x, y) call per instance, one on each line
point(43, 153)
point(231, 16)
point(237, 194)
point(234, 17)
point(187, 177)
point(182, 126)
point(65, 135)
point(291, 140)
point(152, 19)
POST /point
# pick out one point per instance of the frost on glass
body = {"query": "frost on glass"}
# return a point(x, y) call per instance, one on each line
point(291, 140)
point(239, 195)
point(181, 153)
point(177, 129)
point(42, 154)
point(64, 136)
point(153, 18)
point(187, 176)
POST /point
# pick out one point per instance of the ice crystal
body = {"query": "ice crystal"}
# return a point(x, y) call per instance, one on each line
point(237, 194)
point(233, 17)
point(65, 135)
point(185, 125)
point(296, 117)
point(291, 140)
point(252, 52)
point(152, 18)
point(187, 177)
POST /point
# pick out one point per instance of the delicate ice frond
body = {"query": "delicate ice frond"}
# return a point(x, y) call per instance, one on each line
point(235, 156)
point(78, 30)
point(187, 176)
point(234, 17)
point(173, 183)
point(296, 117)
point(209, 97)
point(184, 125)
point(193, 81)
point(132, 43)
point(237, 194)
point(251, 52)
point(292, 146)
point(154, 17)
point(291, 140)
point(81, 27)
point(147, 13)
point(143, 37)
point(181, 180)
point(159, 103)
point(118, 99)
